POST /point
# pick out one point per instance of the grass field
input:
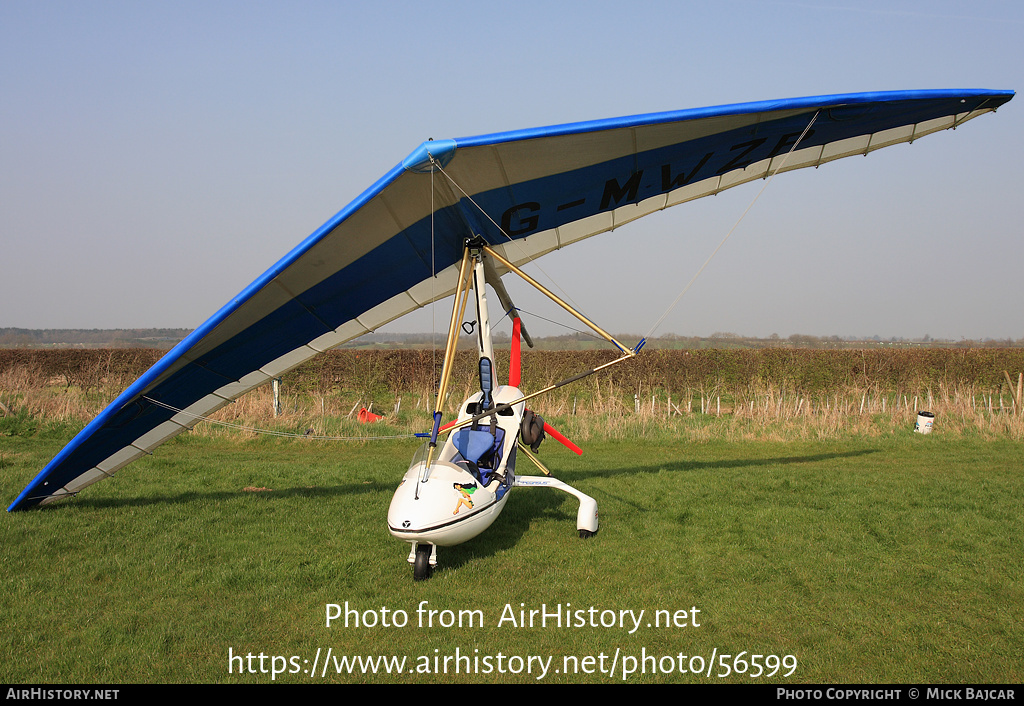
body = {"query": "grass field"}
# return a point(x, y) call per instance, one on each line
point(882, 557)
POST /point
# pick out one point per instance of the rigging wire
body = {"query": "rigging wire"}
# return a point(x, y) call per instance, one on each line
point(494, 326)
point(271, 432)
point(588, 334)
point(731, 230)
point(433, 282)
point(501, 230)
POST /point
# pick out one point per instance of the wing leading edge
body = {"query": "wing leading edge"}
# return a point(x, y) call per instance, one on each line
point(542, 189)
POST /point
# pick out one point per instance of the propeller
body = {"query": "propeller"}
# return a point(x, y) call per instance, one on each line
point(514, 363)
point(557, 436)
point(515, 376)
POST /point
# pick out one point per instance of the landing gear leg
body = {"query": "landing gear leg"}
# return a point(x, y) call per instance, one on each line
point(586, 517)
point(421, 568)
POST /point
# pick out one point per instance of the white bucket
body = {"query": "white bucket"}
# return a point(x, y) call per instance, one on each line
point(924, 422)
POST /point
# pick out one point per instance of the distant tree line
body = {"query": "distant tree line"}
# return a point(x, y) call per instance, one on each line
point(166, 338)
point(160, 338)
point(383, 372)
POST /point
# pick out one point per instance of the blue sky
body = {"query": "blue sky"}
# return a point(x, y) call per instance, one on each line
point(155, 157)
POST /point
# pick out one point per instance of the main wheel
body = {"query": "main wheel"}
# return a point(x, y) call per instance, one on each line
point(421, 569)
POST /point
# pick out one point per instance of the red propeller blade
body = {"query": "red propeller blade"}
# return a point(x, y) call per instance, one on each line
point(514, 368)
point(551, 431)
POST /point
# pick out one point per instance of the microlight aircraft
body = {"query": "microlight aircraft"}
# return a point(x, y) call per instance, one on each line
point(495, 202)
point(451, 495)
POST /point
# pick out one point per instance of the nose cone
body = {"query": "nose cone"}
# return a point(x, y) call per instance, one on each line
point(451, 507)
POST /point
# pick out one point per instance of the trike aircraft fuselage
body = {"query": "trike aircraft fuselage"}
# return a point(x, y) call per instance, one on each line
point(452, 494)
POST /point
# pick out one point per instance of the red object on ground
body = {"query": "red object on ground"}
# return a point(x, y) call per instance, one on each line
point(366, 416)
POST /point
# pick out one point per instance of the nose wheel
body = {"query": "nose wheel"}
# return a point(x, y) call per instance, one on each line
point(421, 567)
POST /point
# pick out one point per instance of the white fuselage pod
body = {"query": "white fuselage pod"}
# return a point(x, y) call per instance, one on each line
point(447, 504)
point(449, 509)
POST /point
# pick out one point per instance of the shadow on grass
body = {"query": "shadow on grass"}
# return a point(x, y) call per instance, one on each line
point(692, 465)
point(311, 492)
point(525, 507)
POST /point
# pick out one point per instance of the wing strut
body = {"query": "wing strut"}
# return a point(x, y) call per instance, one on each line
point(627, 353)
point(458, 311)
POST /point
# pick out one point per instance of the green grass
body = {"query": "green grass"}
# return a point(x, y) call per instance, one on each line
point(886, 558)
